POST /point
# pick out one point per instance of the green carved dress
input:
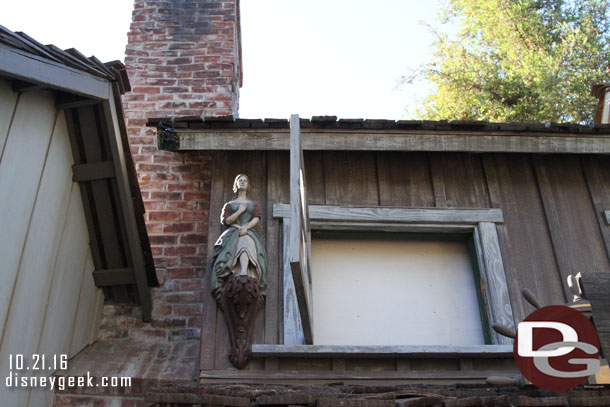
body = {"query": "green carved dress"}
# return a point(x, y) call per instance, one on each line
point(229, 247)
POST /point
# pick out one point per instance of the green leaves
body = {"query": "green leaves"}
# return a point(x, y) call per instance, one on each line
point(518, 60)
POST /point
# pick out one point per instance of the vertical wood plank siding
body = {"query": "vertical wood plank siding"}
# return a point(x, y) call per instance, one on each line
point(275, 193)
point(597, 174)
point(20, 173)
point(527, 250)
point(552, 206)
point(571, 217)
point(48, 302)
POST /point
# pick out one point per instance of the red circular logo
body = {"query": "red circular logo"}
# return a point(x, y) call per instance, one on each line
point(556, 348)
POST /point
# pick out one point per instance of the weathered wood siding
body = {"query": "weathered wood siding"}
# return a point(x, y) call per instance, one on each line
point(553, 207)
point(48, 302)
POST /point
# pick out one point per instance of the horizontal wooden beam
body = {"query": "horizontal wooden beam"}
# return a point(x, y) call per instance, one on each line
point(393, 227)
point(269, 376)
point(111, 277)
point(395, 216)
point(22, 86)
point(26, 67)
point(396, 140)
point(79, 102)
point(91, 172)
point(405, 351)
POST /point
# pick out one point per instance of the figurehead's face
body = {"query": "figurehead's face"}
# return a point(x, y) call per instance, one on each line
point(242, 183)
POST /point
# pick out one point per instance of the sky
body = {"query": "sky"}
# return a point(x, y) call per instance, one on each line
point(310, 57)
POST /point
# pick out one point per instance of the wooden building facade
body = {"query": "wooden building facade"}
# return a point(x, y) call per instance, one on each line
point(70, 236)
point(532, 200)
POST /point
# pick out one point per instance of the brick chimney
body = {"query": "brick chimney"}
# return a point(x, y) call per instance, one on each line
point(183, 59)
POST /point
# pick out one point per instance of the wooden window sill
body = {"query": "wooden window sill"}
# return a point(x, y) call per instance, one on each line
point(401, 351)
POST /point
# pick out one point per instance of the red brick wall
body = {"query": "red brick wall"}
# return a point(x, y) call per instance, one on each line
point(183, 59)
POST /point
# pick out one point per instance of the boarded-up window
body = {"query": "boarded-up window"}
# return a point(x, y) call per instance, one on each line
point(459, 312)
point(394, 292)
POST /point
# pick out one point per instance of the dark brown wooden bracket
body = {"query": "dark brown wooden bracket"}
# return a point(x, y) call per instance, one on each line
point(23, 86)
point(92, 172)
point(240, 302)
point(75, 102)
point(105, 278)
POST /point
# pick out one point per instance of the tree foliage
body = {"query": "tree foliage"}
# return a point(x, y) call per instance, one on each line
point(518, 60)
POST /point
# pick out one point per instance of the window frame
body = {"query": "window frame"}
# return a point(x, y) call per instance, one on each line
point(478, 223)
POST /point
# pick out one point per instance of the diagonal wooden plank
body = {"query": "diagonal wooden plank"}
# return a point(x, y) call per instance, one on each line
point(570, 214)
point(60, 315)
point(596, 170)
point(495, 280)
point(126, 209)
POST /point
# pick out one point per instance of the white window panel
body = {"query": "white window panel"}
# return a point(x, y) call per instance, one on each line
point(394, 292)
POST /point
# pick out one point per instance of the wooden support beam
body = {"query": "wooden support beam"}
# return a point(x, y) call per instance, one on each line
point(104, 208)
point(395, 215)
point(494, 279)
point(86, 193)
point(396, 140)
point(76, 102)
point(407, 351)
point(106, 278)
point(293, 327)
point(23, 86)
point(126, 204)
point(91, 172)
point(300, 377)
point(299, 247)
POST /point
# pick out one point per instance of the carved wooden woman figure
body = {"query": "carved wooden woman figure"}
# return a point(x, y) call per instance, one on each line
point(239, 268)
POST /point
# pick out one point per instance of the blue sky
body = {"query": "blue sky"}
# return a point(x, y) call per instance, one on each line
point(311, 57)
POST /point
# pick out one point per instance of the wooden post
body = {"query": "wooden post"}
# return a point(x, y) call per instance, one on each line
point(299, 249)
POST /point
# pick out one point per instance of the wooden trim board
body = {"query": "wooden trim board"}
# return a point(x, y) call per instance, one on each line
point(293, 327)
point(395, 215)
point(494, 279)
point(31, 68)
point(481, 223)
point(396, 140)
point(299, 237)
point(410, 351)
point(300, 376)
